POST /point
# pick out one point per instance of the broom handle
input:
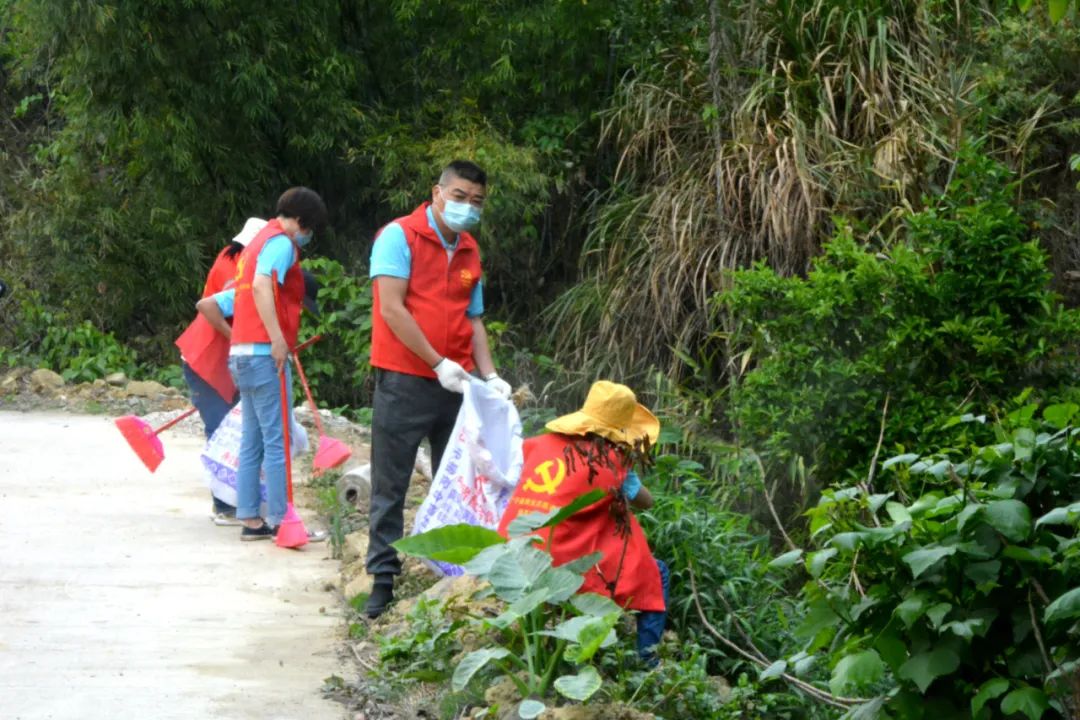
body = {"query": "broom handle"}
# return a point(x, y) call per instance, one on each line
point(284, 413)
point(176, 419)
point(288, 444)
point(307, 391)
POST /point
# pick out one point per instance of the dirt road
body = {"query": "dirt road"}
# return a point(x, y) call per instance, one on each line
point(120, 599)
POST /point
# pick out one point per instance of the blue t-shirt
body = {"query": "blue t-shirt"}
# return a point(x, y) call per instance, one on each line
point(631, 486)
point(277, 255)
point(390, 255)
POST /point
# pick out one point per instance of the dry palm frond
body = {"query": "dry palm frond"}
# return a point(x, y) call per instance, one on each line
point(842, 108)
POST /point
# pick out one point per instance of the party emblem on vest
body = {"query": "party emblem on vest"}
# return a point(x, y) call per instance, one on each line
point(542, 481)
point(466, 278)
point(240, 267)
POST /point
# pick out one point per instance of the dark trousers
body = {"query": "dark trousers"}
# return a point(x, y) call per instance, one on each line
point(212, 409)
point(406, 409)
point(650, 625)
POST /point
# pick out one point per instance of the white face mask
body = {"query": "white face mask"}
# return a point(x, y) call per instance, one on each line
point(460, 216)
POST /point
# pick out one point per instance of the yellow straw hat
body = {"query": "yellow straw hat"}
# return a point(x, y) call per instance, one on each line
point(612, 411)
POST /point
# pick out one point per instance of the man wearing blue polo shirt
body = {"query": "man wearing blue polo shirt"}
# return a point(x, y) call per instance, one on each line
point(427, 337)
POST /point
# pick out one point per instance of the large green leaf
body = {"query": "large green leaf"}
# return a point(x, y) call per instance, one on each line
point(1011, 518)
point(588, 634)
point(987, 692)
point(922, 559)
point(1066, 515)
point(856, 671)
point(472, 663)
point(924, 667)
point(594, 604)
point(451, 543)
point(912, 608)
point(560, 583)
point(1060, 415)
point(513, 574)
point(525, 524)
point(787, 559)
point(1057, 9)
point(815, 561)
point(1066, 607)
point(579, 687)
point(1030, 701)
point(584, 563)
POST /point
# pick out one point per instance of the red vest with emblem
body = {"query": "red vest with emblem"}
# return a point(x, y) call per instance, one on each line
point(546, 482)
point(437, 297)
point(247, 325)
point(204, 349)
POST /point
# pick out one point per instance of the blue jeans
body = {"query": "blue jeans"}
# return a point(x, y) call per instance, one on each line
point(262, 443)
point(650, 625)
point(212, 409)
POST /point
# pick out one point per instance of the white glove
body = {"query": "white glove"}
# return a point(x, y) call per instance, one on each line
point(499, 386)
point(451, 375)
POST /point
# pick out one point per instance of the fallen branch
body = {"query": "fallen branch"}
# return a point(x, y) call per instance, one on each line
point(762, 662)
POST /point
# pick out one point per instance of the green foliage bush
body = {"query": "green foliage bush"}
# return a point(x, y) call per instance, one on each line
point(38, 337)
point(728, 557)
point(958, 310)
point(337, 367)
point(953, 588)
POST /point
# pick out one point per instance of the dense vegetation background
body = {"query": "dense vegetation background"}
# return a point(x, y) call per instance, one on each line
point(812, 233)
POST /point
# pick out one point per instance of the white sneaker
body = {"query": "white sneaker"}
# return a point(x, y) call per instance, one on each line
point(225, 520)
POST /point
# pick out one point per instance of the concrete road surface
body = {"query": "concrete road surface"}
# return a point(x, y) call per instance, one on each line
point(120, 599)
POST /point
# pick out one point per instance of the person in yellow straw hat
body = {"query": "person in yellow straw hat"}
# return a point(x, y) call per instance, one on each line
point(598, 447)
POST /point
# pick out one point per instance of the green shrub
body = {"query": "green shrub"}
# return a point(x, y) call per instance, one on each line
point(954, 589)
point(958, 310)
point(41, 337)
point(728, 558)
point(338, 365)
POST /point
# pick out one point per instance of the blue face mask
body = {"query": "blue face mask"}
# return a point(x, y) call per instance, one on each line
point(301, 240)
point(460, 217)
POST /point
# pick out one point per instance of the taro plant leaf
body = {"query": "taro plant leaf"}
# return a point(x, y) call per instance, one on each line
point(594, 604)
point(1030, 701)
point(922, 559)
point(513, 574)
point(988, 691)
point(1011, 518)
point(579, 687)
point(525, 524)
point(481, 565)
point(584, 563)
point(559, 583)
point(856, 671)
point(1023, 443)
point(787, 559)
point(1065, 607)
point(451, 543)
point(592, 637)
point(775, 670)
point(529, 709)
point(924, 667)
point(473, 662)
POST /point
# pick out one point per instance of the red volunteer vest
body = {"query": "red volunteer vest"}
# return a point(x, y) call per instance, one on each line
point(247, 325)
point(545, 483)
point(205, 350)
point(437, 297)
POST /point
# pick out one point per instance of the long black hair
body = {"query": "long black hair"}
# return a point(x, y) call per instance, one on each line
point(233, 250)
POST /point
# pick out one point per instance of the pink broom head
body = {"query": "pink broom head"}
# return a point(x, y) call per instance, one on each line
point(140, 436)
point(291, 533)
point(331, 453)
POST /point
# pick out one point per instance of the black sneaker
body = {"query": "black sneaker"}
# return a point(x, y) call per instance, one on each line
point(382, 594)
point(263, 532)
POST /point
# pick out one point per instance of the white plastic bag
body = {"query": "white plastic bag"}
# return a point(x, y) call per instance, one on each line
point(479, 468)
point(221, 457)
